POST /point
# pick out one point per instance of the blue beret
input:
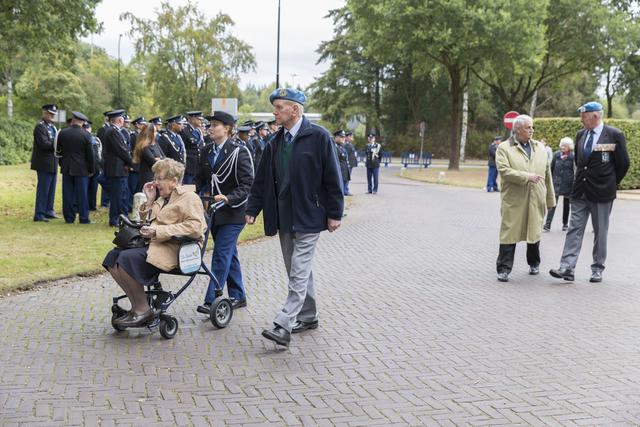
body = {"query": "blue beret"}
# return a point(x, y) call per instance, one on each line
point(589, 107)
point(289, 95)
point(51, 108)
point(78, 115)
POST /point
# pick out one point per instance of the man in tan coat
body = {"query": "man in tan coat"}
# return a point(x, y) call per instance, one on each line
point(527, 191)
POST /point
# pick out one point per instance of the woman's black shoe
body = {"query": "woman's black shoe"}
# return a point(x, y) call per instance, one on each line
point(133, 320)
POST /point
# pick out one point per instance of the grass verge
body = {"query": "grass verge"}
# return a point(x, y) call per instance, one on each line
point(32, 252)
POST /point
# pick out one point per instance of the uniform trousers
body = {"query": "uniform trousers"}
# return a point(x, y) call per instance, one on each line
point(507, 253)
point(116, 189)
point(75, 198)
point(92, 194)
point(297, 252)
point(133, 180)
point(581, 208)
point(225, 264)
point(45, 195)
point(188, 179)
point(103, 180)
point(372, 179)
point(492, 183)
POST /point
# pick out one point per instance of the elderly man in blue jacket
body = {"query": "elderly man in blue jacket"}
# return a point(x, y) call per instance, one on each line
point(298, 188)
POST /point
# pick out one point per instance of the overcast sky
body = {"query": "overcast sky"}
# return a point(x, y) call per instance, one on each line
point(302, 28)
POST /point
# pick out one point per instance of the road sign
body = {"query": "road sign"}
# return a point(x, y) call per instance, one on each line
point(509, 118)
point(228, 105)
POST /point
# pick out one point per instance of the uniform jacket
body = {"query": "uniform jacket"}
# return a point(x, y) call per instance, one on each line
point(315, 184)
point(76, 151)
point(351, 154)
point(170, 148)
point(598, 175)
point(343, 161)
point(492, 154)
point(98, 163)
point(524, 203)
point(234, 172)
point(259, 145)
point(562, 172)
point(148, 157)
point(373, 161)
point(194, 143)
point(182, 216)
point(117, 158)
point(43, 158)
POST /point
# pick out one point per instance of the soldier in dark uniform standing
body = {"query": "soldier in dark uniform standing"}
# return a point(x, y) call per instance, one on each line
point(127, 197)
point(242, 138)
point(193, 139)
point(43, 161)
point(76, 153)
point(102, 178)
point(374, 154)
point(343, 159)
point(602, 161)
point(171, 142)
point(96, 145)
point(260, 141)
point(352, 157)
point(133, 180)
point(117, 163)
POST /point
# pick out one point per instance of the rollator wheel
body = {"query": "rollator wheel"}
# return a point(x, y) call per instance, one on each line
point(221, 312)
point(168, 327)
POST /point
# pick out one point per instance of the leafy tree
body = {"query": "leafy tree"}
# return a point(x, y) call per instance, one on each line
point(188, 58)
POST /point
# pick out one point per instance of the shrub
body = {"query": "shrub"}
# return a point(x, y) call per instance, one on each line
point(16, 141)
point(553, 129)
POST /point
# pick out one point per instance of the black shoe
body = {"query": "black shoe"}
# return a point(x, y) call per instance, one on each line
point(279, 335)
point(303, 326)
point(204, 308)
point(565, 228)
point(596, 277)
point(40, 219)
point(133, 320)
point(566, 274)
point(503, 277)
point(87, 222)
point(534, 270)
point(54, 216)
point(238, 303)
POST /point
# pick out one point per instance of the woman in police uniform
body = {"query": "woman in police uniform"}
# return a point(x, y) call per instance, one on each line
point(226, 172)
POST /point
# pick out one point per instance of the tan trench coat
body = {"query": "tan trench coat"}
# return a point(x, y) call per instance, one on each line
point(182, 216)
point(524, 203)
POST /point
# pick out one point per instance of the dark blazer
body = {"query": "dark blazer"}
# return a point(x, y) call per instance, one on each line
point(117, 158)
point(193, 142)
point(148, 157)
point(133, 138)
point(236, 186)
point(351, 154)
point(43, 158)
point(76, 151)
point(315, 184)
point(371, 161)
point(343, 161)
point(598, 175)
point(562, 173)
point(170, 149)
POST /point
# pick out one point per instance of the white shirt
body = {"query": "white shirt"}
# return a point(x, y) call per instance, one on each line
point(295, 129)
point(597, 132)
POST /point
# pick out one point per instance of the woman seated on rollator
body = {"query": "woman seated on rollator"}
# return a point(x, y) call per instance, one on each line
point(171, 209)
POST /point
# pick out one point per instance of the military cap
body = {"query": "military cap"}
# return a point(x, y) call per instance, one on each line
point(289, 95)
point(78, 115)
point(348, 133)
point(115, 113)
point(156, 120)
point(196, 114)
point(589, 107)
point(87, 124)
point(339, 133)
point(106, 113)
point(497, 138)
point(371, 134)
point(271, 122)
point(222, 117)
point(175, 119)
point(248, 123)
point(244, 128)
point(259, 125)
point(138, 120)
point(127, 118)
point(50, 108)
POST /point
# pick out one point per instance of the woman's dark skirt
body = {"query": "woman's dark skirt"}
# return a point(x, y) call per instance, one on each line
point(134, 262)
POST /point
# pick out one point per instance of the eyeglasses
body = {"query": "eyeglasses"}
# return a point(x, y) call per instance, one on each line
point(158, 179)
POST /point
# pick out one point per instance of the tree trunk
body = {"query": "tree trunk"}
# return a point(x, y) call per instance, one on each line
point(456, 95)
point(9, 98)
point(534, 103)
point(609, 94)
point(465, 119)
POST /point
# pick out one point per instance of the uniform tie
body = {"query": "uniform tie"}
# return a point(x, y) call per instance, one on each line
point(589, 145)
point(287, 138)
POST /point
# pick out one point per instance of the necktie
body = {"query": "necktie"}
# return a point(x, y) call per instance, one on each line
point(589, 145)
point(287, 138)
point(216, 151)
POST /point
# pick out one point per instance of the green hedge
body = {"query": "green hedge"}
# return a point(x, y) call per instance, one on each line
point(553, 129)
point(16, 141)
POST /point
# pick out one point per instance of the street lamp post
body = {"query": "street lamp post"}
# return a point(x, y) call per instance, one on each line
point(119, 101)
point(278, 51)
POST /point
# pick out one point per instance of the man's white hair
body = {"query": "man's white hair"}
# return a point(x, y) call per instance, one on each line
point(521, 120)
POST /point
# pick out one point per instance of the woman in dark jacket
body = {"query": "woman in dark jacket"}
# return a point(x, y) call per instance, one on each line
point(147, 152)
point(562, 171)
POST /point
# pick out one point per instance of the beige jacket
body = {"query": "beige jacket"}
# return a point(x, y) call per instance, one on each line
point(524, 203)
point(182, 216)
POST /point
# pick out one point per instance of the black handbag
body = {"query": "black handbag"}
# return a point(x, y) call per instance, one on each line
point(128, 235)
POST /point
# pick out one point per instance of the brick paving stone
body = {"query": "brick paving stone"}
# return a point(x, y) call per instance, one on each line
point(414, 330)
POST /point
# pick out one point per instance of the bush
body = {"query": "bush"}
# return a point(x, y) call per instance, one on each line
point(553, 129)
point(16, 141)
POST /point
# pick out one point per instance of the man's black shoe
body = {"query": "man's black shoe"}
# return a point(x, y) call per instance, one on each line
point(534, 270)
point(303, 326)
point(54, 216)
point(596, 277)
point(278, 334)
point(566, 274)
point(503, 277)
point(204, 308)
point(40, 219)
point(238, 303)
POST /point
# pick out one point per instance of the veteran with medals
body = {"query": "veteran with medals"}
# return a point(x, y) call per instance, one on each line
point(602, 161)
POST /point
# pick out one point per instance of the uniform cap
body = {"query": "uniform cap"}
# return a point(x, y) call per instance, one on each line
point(348, 133)
point(115, 113)
point(589, 107)
point(156, 120)
point(339, 133)
point(50, 108)
point(78, 115)
point(176, 119)
point(222, 117)
point(196, 114)
point(259, 125)
point(139, 120)
point(244, 128)
point(289, 95)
